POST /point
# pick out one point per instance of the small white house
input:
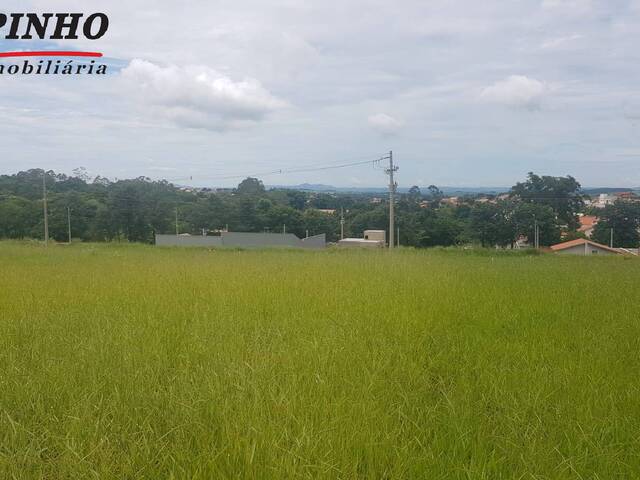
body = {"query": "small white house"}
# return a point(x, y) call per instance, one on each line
point(360, 242)
point(377, 235)
point(372, 239)
point(603, 200)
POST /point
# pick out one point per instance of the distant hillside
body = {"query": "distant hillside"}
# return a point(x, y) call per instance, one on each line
point(371, 190)
point(309, 187)
point(449, 191)
point(598, 191)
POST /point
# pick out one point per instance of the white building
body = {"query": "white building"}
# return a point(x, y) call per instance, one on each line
point(603, 200)
point(372, 239)
point(377, 235)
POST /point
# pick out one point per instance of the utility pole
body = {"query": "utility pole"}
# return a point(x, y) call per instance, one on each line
point(69, 223)
point(611, 241)
point(177, 230)
point(284, 229)
point(392, 190)
point(46, 216)
point(341, 223)
point(398, 237)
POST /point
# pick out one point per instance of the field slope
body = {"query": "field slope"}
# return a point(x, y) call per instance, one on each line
point(135, 362)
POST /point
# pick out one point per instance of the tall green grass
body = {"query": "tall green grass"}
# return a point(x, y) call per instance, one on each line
point(135, 362)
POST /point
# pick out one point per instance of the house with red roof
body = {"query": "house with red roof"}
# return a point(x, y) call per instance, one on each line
point(587, 224)
point(583, 246)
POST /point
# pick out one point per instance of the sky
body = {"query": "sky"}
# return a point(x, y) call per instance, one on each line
point(465, 93)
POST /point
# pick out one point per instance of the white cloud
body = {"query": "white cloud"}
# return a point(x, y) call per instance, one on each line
point(385, 124)
point(197, 96)
point(553, 43)
point(516, 91)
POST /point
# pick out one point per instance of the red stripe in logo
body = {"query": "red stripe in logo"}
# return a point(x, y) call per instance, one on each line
point(50, 54)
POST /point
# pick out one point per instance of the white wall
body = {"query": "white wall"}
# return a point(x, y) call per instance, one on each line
point(590, 249)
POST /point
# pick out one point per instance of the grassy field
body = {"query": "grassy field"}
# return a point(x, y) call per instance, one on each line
point(132, 362)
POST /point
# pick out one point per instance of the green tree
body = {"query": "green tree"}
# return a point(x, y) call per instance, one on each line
point(367, 218)
point(435, 193)
point(562, 194)
point(318, 222)
point(439, 228)
point(414, 195)
point(250, 186)
point(19, 217)
point(296, 199)
point(624, 218)
point(278, 216)
point(526, 215)
point(491, 224)
point(208, 212)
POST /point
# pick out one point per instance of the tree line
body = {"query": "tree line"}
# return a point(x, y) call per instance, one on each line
point(135, 210)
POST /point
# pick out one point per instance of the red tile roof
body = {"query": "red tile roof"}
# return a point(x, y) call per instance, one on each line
point(587, 222)
point(581, 241)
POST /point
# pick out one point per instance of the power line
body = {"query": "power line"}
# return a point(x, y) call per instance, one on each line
point(287, 171)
